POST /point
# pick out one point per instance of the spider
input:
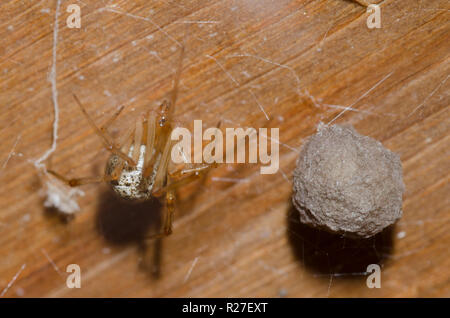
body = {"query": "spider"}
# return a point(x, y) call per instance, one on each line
point(138, 167)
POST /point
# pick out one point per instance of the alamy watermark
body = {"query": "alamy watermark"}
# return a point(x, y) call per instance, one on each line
point(74, 278)
point(213, 152)
point(374, 279)
point(74, 19)
point(374, 19)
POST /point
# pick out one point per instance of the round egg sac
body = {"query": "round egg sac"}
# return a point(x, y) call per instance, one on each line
point(347, 184)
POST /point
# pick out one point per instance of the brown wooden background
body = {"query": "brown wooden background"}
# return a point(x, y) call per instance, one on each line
point(235, 234)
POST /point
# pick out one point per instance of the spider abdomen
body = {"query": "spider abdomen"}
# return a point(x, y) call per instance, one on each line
point(131, 184)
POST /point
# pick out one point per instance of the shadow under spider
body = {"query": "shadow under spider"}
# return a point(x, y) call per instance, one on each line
point(123, 222)
point(326, 254)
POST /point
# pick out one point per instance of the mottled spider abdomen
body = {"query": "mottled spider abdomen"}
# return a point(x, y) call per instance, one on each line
point(130, 184)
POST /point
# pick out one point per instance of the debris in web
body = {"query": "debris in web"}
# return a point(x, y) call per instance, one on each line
point(60, 196)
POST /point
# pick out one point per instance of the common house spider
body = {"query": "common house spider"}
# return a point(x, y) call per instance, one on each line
point(138, 167)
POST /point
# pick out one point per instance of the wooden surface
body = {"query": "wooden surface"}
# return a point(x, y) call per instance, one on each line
point(231, 237)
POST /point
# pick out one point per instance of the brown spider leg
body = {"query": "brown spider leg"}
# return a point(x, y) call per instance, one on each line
point(124, 145)
point(107, 143)
point(110, 121)
point(170, 211)
point(115, 174)
point(138, 139)
point(161, 173)
point(174, 96)
point(190, 165)
point(167, 108)
point(183, 177)
point(188, 173)
point(161, 138)
point(170, 204)
point(149, 134)
point(164, 119)
point(163, 146)
point(75, 182)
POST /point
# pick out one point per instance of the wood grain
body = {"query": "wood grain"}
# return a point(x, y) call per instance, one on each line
point(303, 62)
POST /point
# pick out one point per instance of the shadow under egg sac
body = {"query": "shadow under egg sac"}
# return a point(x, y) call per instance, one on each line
point(326, 253)
point(124, 222)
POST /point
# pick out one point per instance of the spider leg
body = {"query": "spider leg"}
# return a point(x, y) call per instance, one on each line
point(195, 170)
point(107, 143)
point(161, 173)
point(167, 109)
point(178, 177)
point(170, 210)
point(75, 182)
point(138, 136)
point(149, 138)
point(185, 176)
point(161, 133)
point(163, 130)
point(170, 203)
point(110, 121)
point(123, 145)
